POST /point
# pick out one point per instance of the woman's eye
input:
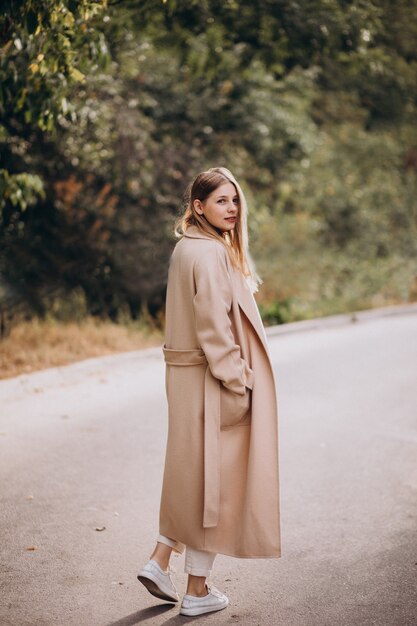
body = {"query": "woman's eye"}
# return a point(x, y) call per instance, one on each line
point(236, 201)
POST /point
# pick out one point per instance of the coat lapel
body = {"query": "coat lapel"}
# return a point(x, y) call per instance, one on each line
point(248, 305)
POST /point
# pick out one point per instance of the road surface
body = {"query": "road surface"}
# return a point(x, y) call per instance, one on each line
point(81, 460)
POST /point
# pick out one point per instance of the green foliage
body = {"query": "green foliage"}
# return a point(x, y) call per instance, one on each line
point(107, 110)
point(45, 46)
point(20, 189)
point(276, 312)
point(343, 232)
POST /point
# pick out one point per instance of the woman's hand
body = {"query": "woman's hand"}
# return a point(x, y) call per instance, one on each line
point(233, 406)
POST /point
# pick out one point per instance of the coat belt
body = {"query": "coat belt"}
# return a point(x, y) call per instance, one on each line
point(211, 430)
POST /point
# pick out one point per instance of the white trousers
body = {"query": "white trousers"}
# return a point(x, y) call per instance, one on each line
point(197, 562)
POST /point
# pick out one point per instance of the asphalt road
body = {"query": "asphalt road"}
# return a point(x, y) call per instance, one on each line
point(81, 459)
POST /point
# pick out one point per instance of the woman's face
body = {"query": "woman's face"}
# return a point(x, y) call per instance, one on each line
point(221, 207)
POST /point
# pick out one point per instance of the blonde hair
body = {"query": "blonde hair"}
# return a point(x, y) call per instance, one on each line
point(236, 241)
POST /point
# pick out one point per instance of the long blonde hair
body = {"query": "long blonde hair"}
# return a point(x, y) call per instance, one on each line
point(236, 241)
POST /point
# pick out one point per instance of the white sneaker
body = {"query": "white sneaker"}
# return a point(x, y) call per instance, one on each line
point(158, 582)
point(215, 600)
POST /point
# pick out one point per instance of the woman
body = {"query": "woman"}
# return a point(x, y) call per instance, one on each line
point(220, 485)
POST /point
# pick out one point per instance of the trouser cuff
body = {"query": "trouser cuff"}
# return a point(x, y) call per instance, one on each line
point(175, 545)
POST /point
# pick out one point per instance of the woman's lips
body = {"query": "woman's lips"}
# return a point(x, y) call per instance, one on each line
point(230, 219)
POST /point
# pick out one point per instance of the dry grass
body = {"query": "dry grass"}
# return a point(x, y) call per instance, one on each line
point(37, 345)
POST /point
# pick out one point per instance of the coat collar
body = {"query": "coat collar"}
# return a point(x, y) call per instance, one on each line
point(196, 233)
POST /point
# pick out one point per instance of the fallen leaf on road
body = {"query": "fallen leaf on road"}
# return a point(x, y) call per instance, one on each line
point(32, 548)
point(100, 528)
point(29, 497)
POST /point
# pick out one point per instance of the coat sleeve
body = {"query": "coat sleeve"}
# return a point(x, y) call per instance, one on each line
point(212, 304)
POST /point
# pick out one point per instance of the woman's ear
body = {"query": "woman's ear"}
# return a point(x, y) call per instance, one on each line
point(198, 207)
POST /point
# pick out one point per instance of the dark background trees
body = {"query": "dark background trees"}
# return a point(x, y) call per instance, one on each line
point(108, 109)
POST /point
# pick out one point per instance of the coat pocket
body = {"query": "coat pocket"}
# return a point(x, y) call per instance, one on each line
point(233, 406)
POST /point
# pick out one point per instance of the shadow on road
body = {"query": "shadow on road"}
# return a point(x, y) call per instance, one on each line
point(182, 619)
point(142, 615)
point(154, 611)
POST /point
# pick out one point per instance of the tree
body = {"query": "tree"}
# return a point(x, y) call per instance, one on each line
point(46, 47)
point(109, 109)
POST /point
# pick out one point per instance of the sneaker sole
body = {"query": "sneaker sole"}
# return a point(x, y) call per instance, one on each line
point(202, 610)
point(152, 586)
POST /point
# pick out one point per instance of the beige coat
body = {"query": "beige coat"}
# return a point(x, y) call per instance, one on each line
point(220, 486)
